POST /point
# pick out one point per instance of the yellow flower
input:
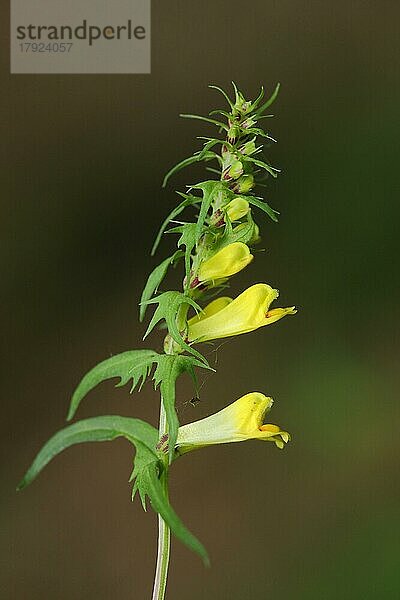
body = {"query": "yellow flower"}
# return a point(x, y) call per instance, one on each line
point(242, 420)
point(237, 208)
point(228, 261)
point(249, 311)
point(211, 309)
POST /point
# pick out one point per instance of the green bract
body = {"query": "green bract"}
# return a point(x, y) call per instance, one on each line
point(212, 248)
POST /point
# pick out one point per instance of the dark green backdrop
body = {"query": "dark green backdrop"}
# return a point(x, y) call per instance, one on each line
point(83, 158)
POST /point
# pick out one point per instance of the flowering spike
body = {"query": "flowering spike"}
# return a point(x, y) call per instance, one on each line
point(212, 247)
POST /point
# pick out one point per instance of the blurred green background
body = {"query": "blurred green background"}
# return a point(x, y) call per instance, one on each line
point(82, 161)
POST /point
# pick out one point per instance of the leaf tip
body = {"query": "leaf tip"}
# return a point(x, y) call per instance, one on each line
point(22, 484)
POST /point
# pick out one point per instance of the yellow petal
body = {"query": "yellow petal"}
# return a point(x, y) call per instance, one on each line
point(273, 433)
point(245, 313)
point(211, 309)
point(240, 421)
point(228, 261)
point(277, 313)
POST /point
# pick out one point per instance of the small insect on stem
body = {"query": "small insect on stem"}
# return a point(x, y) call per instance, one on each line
point(195, 400)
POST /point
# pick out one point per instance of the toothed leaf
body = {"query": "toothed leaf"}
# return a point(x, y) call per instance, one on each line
point(96, 429)
point(169, 368)
point(154, 280)
point(168, 305)
point(188, 239)
point(132, 365)
point(188, 201)
point(210, 190)
point(147, 483)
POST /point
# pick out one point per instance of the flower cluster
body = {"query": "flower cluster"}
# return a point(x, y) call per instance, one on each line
point(220, 245)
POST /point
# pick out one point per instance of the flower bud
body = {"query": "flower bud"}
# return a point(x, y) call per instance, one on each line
point(233, 134)
point(235, 170)
point(170, 345)
point(248, 148)
point(228, 261)
point(248, 123)
point(237, 208)
point(244, 184)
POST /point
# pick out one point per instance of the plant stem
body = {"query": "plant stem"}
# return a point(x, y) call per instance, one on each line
point(164, 533)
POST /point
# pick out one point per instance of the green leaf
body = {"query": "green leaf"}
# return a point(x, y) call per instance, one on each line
point(188, 239)
point(154, 280)
point(210, 190)
point(260, 163)
point(225, 95)
point(208, 120)
point(257, 101)
point(169, 303)
point(147, 464)
point(169, 368)
point(257, 131)
point(243, 233)
point(215, 171)
point(263, 206)
point(188, 201)
point(133, 364)
point(238, 95)
point(96, 429)
point(270, 100)
point(206, 151)
point(197, 156)
point(148, 483)
point(220, 112)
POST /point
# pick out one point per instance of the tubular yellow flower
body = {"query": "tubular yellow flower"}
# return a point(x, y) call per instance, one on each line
point(237, 208)
point(242, 420)
point(249, 311)
point(211, 309)
point(228, 261)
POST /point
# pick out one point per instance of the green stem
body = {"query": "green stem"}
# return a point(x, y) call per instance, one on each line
point(164, 533)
